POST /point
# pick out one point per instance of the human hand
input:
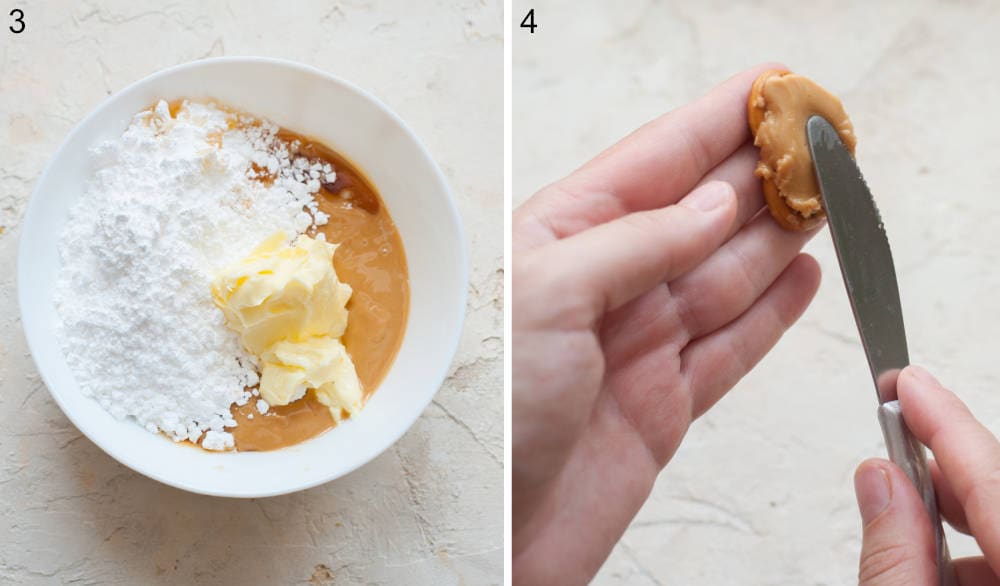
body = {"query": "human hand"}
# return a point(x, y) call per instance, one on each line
point(898, 545)
point(645, 285)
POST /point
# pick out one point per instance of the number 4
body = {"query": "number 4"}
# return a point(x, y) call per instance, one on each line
point(529, 21)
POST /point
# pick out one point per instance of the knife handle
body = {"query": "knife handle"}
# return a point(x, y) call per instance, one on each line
point(908, 454)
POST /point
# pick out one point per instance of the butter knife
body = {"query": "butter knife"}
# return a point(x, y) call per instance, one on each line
point(870, 277)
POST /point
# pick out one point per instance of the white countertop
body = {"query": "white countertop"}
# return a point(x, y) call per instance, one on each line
point(428, 511)
point(761, 491)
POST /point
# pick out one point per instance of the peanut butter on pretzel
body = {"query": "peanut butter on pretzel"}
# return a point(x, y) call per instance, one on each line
point(779, 106)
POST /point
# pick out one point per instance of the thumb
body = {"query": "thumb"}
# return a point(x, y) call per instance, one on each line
point(898, 544)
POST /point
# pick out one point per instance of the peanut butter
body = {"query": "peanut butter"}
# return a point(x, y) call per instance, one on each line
point(787, 101)
point(372, 260)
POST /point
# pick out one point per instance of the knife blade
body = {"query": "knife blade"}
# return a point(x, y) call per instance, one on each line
point(864, 255)
point(870, 277)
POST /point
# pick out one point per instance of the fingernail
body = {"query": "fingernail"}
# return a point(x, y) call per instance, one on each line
point(708, 197)
point(922, 375)
point(871, 484)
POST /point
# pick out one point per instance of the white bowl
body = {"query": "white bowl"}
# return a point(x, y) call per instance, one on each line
point(354, 123)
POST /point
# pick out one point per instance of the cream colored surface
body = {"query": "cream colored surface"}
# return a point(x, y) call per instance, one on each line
point(761, 490)
point(290, 310)
point(428, 511)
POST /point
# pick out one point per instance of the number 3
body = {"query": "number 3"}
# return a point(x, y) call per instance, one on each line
point(19, 20)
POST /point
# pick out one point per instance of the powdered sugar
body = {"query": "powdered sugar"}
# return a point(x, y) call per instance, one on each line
point(172, 201)
point(262, 406)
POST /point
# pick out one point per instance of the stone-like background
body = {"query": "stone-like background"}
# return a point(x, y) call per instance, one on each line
point(761, 490)
point(428, 511)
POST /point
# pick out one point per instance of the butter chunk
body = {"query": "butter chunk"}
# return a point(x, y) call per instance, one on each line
point(290, 310)
point(283, 292)
point(320, 363)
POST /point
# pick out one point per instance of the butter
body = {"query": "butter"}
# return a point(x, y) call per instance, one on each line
point(290, 310)
point(320, 363)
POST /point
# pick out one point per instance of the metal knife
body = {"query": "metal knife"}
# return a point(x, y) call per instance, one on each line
point(866, 264)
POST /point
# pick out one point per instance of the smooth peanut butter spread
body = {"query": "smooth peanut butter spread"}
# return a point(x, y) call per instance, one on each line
point(780, 105)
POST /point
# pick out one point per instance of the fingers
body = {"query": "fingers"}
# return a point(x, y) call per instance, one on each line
point(615, 262)
point(737, 170)
point(653, 167)
point(898, 544)
point(974, 572)
point(720, 289)
point(966, 452)
point(652, 319)
point(948, 504)
point(713, 364)
point(666, 157)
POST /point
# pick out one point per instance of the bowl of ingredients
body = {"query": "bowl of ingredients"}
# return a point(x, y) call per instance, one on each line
point(242, 277)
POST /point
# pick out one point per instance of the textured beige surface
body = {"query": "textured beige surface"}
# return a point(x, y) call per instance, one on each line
point(428, 511)
point(761, 492)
